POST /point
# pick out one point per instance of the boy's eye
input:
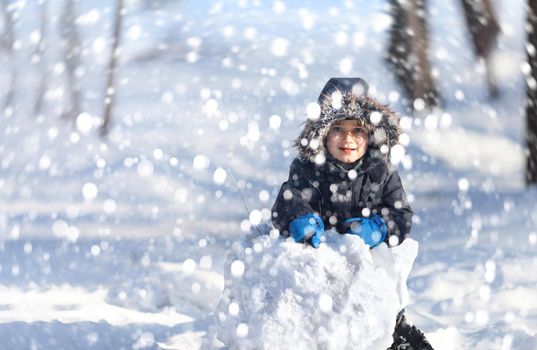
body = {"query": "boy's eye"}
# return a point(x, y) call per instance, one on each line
point(337, 129)
point(358, 130)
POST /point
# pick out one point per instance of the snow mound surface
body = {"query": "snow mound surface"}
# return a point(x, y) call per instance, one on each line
point(281, 295)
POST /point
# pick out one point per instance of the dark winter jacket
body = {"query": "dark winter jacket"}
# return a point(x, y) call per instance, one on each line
point(320, 184)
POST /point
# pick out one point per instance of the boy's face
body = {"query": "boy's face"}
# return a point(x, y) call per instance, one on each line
point(347, 141)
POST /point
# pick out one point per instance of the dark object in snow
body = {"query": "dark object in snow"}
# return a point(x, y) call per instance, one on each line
point(407, 337)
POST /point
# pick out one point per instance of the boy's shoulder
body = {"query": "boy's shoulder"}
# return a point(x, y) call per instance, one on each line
point(299, 163)
point(381, 169)
point(301, 167)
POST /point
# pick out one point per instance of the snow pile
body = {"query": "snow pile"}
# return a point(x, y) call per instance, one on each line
point(280, 294)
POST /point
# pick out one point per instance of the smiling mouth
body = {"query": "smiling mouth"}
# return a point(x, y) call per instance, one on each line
point(347, 149)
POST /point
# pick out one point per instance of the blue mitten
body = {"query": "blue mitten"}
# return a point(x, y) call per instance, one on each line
point(307, 228)
point(373, 230)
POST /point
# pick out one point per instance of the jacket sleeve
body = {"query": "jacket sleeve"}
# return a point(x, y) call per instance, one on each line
point(396, 210)
point(298, 196)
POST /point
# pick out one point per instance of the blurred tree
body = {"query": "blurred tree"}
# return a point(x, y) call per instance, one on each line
point(71, 45)
point(39, 57)
point(112, 69)
point(408, 51)
point(484, 29)
point(7, 39)
point(531, 90)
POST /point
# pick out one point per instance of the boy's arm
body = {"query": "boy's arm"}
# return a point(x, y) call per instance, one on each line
point(396, 210)
point(297, 197)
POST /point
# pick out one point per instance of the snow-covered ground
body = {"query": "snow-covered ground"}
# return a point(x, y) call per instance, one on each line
point(120, 242)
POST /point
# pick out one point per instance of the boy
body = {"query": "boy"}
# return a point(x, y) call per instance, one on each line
point(341, 180)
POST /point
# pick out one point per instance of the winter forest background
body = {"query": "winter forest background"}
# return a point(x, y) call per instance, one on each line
point(126, 178)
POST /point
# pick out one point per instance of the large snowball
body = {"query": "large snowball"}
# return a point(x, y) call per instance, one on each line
point(291, 296)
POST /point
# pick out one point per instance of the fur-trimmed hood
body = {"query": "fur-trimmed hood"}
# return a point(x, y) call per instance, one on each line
point(381, 122)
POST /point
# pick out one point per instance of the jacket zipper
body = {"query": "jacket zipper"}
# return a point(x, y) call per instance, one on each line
point(320, 196)
point(376, 188)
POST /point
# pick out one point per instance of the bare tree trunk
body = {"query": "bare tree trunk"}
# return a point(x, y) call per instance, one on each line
point(39, 56)
point(71, 45)
point(531, 90)
point(408, 51)
point(112, 69)
point(7, 39)
point(484, 29)
point(9, 102)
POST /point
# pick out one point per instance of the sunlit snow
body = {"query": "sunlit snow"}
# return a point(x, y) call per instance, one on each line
point(118, 238)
